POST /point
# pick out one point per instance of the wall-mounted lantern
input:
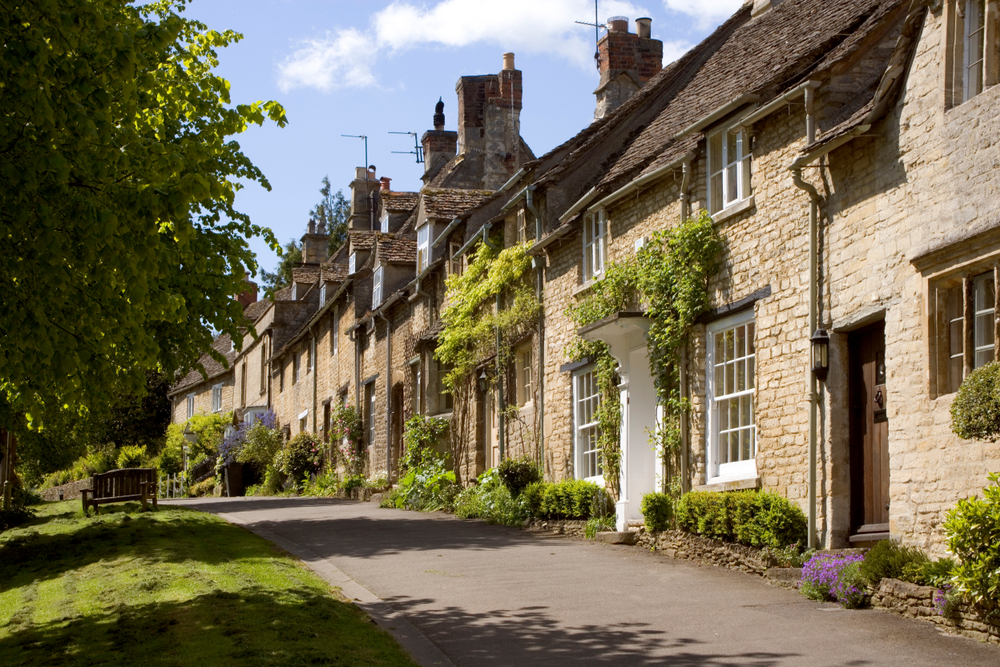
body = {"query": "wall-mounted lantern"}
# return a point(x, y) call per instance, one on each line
point(820, 344)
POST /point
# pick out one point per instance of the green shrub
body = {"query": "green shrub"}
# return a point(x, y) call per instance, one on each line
point(85, 467)
point(657, 511)
point(975, 412)
point(754, 518)
point(205, 487)
point(491, 501)
point(421, 436)
point(887, 560)
point(301, 456)
point(209, 429)
point(132, 456)
point(570, 499)
point(19, 511)
point(850, 590)
point(517, 474)
point(973, 531)
point(326, 485)
point(791, 556)
point(260, 447)
point(929, 573)
point(427, 486)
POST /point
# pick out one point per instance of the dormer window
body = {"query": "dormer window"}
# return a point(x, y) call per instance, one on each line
point(423, 247)
point(352, 263)
point(728, 169)
point(383, 223)
point(377, 288)
point(295, 291)
point(322, 294)
point(454, 259)
point(522, 226)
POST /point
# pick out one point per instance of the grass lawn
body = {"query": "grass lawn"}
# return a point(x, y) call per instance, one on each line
point(173, 587)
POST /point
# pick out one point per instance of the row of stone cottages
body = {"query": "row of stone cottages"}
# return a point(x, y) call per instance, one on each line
point(846, 152)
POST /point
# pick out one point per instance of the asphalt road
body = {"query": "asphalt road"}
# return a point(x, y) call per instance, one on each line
point(492, 595)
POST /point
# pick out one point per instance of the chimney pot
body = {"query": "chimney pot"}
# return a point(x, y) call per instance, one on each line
point(618, 24)
point(439, 115)
point(508, 61)
point(644, 27)
point(312, 226)
point(385, 183)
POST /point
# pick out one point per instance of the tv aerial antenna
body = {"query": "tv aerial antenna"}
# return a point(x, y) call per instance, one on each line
point(597, 25)
point(417, 149)
point(370, 171)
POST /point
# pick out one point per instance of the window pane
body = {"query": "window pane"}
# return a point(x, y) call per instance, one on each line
point(745, 436)
point(741, 375)
point(732, 150)
point(750, 343)
point(746, 410)
point(715, 153)
point(723, 416)
point(750, 372)
point(716, 200)
point(730, 352)
point(732, 185)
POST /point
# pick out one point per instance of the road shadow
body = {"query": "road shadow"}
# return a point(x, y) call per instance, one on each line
point(532, 636)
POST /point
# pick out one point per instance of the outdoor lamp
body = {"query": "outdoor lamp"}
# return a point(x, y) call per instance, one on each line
point(820, 352)
point(484, 381)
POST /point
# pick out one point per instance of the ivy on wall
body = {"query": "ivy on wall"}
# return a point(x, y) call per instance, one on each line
point(491, 302)
point(668, 279)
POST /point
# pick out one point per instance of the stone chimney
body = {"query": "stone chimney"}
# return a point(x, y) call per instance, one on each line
point(626, 62)
point(489, 121)
point(315, 243)
point(761, 6)
point(249, 293)
point(439, 144)
point(362, 187)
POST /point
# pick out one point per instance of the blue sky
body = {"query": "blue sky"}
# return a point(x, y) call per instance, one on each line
point(371, 68)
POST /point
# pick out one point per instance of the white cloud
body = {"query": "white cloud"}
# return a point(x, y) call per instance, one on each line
point(344, 58)
point(705, 12)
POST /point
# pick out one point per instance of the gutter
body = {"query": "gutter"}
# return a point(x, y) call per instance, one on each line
point(775, 105)
point(447, 230)
point(631, 187)
point(718, 114)
point(580, 204)
point(484, 232)
point(513, 179)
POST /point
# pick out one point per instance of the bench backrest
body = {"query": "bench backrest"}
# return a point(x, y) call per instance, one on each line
point(124, 482)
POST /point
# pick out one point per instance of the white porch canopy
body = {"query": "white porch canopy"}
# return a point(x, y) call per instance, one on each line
point(625, 334)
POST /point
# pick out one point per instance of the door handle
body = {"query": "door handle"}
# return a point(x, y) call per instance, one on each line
point(878, 397)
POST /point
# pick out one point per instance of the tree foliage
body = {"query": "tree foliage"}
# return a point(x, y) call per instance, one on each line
point(291, 256)
point(120, 247)
point(332, 212)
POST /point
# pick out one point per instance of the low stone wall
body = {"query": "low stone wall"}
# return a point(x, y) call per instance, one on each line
point(913, 601)
point(69, 491)
point(679, 544)
point(572, 527)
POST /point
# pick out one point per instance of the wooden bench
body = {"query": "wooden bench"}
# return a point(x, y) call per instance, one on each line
point(118, 486)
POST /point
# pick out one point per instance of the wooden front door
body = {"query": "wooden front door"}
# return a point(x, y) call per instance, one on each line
point(869, 430)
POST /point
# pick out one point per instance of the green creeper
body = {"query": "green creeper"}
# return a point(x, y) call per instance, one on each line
point(120, 249)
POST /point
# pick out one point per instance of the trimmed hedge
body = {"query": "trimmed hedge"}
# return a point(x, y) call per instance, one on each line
point(517, 474)
point(571, 499)
point(658, 511)
point(754, 518)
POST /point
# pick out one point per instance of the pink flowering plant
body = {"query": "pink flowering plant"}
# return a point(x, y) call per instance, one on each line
point(347, 436)
point(301, 456)
point(835, 577)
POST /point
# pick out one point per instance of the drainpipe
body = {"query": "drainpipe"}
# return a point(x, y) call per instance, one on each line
point(313, 353)
point(685, 184)
point(388, 381)
point(501, 425)
point(352, 335)
point(539, 282)
point(813, 309)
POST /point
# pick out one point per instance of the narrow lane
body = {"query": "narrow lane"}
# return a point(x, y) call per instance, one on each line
point(492, 595)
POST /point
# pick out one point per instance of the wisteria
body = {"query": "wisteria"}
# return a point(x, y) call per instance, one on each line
point(233, 441)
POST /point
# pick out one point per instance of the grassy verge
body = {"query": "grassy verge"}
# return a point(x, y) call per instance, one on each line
point(173, 587)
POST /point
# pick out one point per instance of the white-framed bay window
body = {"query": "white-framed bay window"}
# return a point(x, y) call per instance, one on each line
point(423, 247)
point(586, 450)
point(728, 169)
point(730, 382)
point(595, 244)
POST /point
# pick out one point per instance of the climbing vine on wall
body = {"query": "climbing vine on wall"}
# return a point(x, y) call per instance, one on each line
point(668, 278)
point(490, 307)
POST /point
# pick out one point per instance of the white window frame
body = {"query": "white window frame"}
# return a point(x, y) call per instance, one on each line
point(296, 366)
point(524, 374)
point(521, 222)
point(423, 247)
point(377, 287)
point(983, 320)
point(217, 398)
point(190, 406)
point(746, 468)
point(352, 263)
point(586, 400)
point(973, 45)
point(312, 356)
point(595, 245)
point(322, 294)
point(383, 223)
point(731, 167)
point(454, 263)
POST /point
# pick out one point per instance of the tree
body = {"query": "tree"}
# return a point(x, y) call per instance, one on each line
point(291, 256)
point(332, 211)
point(120, 248)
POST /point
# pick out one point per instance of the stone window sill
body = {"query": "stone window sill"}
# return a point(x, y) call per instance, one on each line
point(734, 210)
point(730, 485)
point(585, 287)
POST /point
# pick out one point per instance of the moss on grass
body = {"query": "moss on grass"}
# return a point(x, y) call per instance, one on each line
point(173, 587)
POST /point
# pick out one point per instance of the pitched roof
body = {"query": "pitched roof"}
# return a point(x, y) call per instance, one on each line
point(305, 274)
point(447, 203)
point(334, 272)
point(255, 310)
point(397, 251)
point(223, 344)
point(400, 201)
point(361, 239)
